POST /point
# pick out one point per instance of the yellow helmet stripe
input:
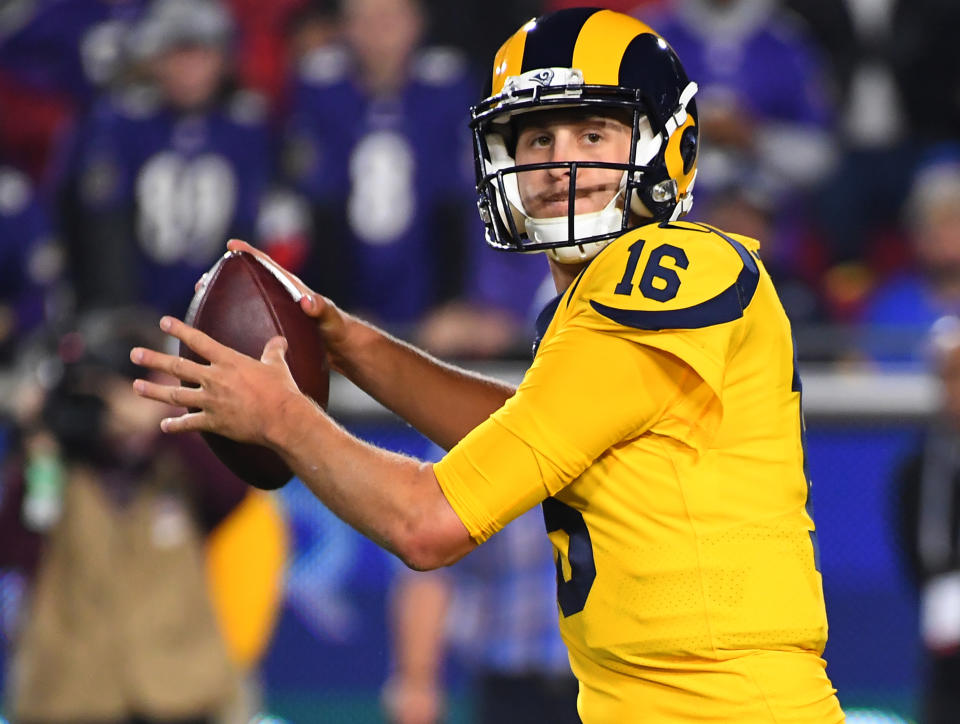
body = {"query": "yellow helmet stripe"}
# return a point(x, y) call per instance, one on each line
point(509, 58)
point(601, 44)
point(674, 160)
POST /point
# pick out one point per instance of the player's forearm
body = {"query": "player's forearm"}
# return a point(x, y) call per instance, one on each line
point(394, 500)
point(442, 401)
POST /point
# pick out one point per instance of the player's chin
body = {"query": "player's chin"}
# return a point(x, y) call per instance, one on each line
point(549, 209)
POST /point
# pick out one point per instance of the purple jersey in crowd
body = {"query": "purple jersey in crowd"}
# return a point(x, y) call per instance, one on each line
point(390, 181)
point(65, 46)
point(154, 195)
point(29, 258)
point(748, 56)
point(771, 70)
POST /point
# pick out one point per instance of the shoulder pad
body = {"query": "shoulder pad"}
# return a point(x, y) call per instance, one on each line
point(247, 108)
point(439, 65)
point(670, 276)
point(324, 66)
point(14, 191)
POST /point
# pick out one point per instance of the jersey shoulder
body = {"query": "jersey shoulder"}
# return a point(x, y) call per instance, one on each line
point(677, 275)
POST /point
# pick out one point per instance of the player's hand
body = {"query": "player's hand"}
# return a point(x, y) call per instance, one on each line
point(410, 702)
point(332, 320)
point(233, 395)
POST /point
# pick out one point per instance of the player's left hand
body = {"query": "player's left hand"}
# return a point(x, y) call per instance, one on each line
point(233, 395)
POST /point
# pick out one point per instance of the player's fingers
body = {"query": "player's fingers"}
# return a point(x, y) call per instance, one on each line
point(239, 245)
point(328, 315)
point(274, 350)
point(314, 305)
point(182, 369)
point(202, 344)
point(171, 394)
point(190, 422)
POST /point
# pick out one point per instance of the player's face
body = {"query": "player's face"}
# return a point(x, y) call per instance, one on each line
point(190, 76)
point(552, 137)
point(382, 33)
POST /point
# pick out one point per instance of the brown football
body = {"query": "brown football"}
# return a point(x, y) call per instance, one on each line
point(243, 302)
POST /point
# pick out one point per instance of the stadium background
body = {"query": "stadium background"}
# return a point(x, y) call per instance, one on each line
point(329, 655)
point(328, 658)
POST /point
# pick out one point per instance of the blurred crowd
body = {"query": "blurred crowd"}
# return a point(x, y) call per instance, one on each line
point(137, 136)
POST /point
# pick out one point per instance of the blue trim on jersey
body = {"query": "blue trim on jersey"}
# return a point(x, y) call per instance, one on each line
point(544, 319)
point(797, 386)
point(576, 283)
point(727, 306)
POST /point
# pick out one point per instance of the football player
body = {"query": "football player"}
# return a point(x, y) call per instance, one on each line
point(373, 143)
point(155, 175)
point(659, 426)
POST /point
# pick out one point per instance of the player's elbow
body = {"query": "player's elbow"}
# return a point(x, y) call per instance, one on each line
point(426, 555)
point(434, 540)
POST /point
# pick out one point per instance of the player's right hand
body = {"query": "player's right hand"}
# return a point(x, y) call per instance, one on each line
point(331, 319)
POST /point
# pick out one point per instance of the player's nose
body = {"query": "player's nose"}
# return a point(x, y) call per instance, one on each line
point(563, 148)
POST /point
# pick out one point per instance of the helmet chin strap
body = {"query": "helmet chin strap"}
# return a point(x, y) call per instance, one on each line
point(555, 229)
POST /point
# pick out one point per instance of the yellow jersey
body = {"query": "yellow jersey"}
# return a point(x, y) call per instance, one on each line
point(660, 426)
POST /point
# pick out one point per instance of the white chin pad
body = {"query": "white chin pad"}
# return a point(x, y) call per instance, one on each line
point(554, 229)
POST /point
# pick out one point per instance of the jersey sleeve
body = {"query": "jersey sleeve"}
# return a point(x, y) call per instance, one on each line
point(681, 291)
point(585, 393)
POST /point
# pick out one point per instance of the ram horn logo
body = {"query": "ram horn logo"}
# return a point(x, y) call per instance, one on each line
point(543, 77)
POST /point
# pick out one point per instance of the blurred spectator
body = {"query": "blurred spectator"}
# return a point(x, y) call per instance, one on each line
point(271, 36)
point(378, 143)
point(55, 55)
point(746, 206)
point(159, 175)
point(497, 612)
point(762, 97)
point(478, 28)
point(313, 26)
point(109, 519)
point(867, 44)
point(901, 311)
point(928, 509)
point(891, 59)
point(31, 262)
point(765, 115)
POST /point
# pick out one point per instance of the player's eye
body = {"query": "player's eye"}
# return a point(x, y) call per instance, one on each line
point(541, 140)
point(592, 137)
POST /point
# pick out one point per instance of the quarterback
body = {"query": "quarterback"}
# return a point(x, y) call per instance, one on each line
point(659, 425)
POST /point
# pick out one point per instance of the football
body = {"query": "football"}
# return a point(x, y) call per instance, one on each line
point(242, 302)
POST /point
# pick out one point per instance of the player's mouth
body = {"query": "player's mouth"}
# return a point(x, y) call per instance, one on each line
point(588, 199)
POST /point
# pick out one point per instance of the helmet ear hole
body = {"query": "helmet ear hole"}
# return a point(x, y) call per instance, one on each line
point(688, 148)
